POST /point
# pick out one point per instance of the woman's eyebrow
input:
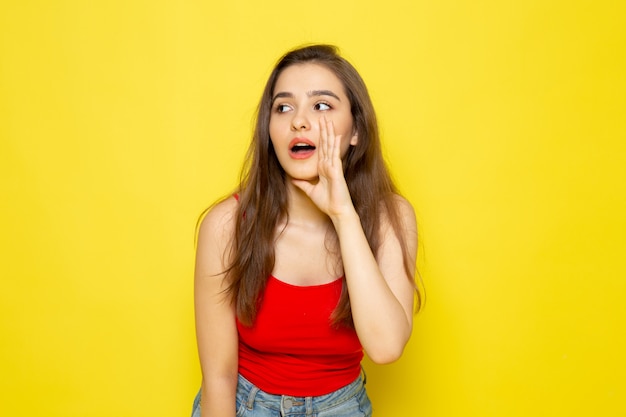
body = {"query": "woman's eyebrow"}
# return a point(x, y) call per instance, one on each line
point(282, 95)
point(285, 94)
point(322, 93)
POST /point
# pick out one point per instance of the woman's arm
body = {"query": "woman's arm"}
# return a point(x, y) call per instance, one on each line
point(381, 293)
point(216, 330)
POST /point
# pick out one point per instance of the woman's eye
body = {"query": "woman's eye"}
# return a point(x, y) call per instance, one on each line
point(281, 108)
point(322, 106)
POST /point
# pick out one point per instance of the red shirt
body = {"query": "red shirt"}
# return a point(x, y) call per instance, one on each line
point(293, 348)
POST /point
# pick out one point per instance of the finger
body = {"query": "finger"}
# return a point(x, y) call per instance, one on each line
point(323, 139)
point(335, 152)
point(331, 139)
point(305, 186)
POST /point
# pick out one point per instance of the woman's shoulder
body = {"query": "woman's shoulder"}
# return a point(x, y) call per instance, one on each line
point(398, 214)
point(402, 203)
point(219, 219)
point(403, 207)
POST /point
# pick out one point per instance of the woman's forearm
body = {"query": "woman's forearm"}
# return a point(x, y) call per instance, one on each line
point(381, 320)
point(218, 397)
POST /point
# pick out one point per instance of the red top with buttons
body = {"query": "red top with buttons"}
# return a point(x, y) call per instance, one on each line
point(293, 348)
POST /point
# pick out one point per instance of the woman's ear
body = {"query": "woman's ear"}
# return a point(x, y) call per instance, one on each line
point(354, 139)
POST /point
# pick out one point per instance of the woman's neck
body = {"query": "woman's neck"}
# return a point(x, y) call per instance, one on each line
point(302, 210)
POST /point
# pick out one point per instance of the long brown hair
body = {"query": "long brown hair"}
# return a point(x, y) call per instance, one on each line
point(263, 196)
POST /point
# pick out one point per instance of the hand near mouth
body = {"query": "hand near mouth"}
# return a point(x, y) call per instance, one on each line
point(330, 193)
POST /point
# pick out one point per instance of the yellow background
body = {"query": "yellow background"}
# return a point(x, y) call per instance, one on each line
point(503, 122)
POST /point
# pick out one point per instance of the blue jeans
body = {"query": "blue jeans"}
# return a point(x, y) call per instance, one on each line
point(349, 401)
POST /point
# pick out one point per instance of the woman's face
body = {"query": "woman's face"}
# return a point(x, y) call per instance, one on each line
point(302, 94)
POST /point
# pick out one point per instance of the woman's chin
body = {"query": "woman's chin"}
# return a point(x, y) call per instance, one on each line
point(313, 178)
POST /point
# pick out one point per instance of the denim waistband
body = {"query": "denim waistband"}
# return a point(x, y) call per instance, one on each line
point(249, 394)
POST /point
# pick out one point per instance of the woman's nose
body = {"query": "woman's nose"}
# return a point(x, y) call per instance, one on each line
point(300, 121)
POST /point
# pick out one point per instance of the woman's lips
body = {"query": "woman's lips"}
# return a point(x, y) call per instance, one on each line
point(301, 148)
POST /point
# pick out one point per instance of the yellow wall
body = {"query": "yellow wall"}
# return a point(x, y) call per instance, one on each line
point(504, 124)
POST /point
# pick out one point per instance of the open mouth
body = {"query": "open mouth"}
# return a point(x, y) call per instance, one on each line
point(302, 147)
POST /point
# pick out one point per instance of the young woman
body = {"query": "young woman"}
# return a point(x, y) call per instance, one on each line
point(311, 261)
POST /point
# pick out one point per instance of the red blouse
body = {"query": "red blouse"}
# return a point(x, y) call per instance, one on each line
point(293, 348)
